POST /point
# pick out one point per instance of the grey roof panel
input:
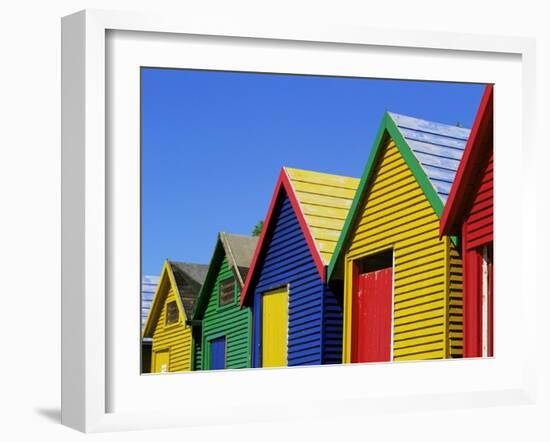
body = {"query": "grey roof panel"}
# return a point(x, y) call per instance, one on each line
point(196, 272)
point(239, 250)
point(437, 147)
point(428, 148)
point(189, 279)
point(431, 127)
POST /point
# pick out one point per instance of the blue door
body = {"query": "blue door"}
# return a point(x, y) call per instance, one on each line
point(217, 353)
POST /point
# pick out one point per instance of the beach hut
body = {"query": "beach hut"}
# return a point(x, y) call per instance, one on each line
point(178, 287)
point(148, 286)
point(297, 316)
point(225, 329)
point(468, 214)
point(402, 283)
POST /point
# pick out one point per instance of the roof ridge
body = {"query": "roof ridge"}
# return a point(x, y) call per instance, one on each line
point(429, 121)
point(286, 168)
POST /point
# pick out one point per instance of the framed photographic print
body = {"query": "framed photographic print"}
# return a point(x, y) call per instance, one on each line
point(280, 220)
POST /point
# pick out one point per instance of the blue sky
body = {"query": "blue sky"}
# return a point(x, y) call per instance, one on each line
point(213, 144)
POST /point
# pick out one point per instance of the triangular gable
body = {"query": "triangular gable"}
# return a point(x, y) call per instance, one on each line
point(426, 147)
point(305, 190)
point(166, 281)
point(467, 173)
point(238, 249)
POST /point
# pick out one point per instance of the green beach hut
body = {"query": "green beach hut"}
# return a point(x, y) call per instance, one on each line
point(223, 330)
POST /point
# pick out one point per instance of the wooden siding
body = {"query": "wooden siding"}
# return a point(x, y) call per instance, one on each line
point(325, 200)
point(287, 261)
point(229, 321)
point(175, 337)
point(333, 316)
point(197, 348)
point(455, 322)
point(396, 214)
point(477, 231)
point(479, 222)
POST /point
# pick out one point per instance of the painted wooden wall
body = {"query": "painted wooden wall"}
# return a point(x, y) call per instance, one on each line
point(288, 261)
point(196, 348)
point(477, 231)
point(455, 313)
point(175, 337)
point(478, 226)
point(229, 321)
point(333, 320)
point(398, 215)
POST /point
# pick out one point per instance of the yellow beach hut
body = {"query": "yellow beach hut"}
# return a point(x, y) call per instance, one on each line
point(402, 282)
point(177, 290)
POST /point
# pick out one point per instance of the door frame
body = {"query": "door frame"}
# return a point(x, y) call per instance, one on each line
point(154, 358)
point(261, 321)
point(349, 298)
point(473, 262)
point(208, 354)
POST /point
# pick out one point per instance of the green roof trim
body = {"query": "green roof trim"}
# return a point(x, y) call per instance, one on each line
point(387, 127)
point(215, 263)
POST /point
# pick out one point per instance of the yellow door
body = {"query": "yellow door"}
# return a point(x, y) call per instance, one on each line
point(161, 361)
point(275, 328)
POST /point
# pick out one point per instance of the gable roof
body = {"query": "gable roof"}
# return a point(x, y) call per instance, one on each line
point(431, 150)
point(321, 202)
point(467, 173)
point(238, 249)
point(186, 279)
point(185, 275)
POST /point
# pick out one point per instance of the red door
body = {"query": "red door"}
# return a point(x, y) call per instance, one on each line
point(371, 317)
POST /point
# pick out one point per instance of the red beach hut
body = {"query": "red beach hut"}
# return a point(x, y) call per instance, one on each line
point(468, 213)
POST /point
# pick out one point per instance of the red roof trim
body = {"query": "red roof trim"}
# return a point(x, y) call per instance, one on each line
point(466, 174)
point(305, 226)
point(283, 183)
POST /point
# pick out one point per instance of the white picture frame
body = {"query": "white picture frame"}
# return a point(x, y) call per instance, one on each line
point(87, 208)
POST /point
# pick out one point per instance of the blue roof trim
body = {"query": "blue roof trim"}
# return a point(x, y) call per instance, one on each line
point(437, 147)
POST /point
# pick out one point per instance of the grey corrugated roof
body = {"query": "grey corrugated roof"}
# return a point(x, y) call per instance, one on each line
point(239, 250)
point(189, 279)
point(148, 287)
point(438, 148)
